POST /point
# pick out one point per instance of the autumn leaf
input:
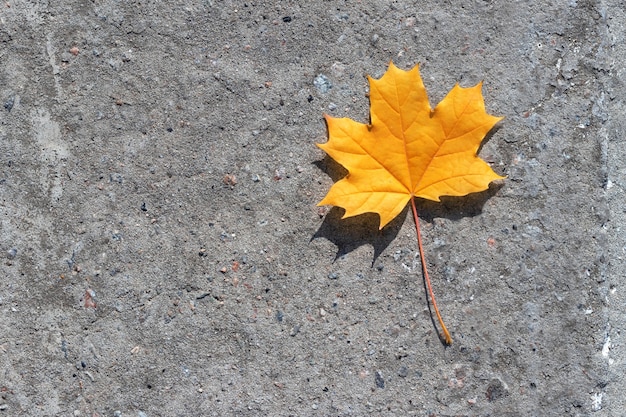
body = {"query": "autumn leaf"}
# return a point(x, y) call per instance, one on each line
point(409, 150)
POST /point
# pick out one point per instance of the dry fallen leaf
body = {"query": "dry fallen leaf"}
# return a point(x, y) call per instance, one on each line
point(409, 150)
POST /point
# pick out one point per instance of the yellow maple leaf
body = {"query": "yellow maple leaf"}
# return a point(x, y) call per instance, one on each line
point(408, 149)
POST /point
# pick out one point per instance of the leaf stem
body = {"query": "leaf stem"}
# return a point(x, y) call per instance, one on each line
point(446, 334)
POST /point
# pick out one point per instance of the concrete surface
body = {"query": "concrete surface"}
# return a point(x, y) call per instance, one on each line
point(163, 255)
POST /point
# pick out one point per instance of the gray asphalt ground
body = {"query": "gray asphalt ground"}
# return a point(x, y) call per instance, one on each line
point(163, 254)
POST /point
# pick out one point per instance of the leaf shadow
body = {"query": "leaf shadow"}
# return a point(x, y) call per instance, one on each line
point(350, 233)
point(332, 168)
point(456, 208)
point(488, 136)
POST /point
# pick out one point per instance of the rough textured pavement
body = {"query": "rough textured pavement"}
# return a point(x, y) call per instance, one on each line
point(162, 252)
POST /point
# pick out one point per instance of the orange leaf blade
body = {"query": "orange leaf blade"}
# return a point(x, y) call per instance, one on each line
point(409, 149)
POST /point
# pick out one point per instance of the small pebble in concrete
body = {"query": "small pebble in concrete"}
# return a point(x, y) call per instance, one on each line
point(495, 390)
point(8, 105)
point(322, 83)
point(380, 382)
